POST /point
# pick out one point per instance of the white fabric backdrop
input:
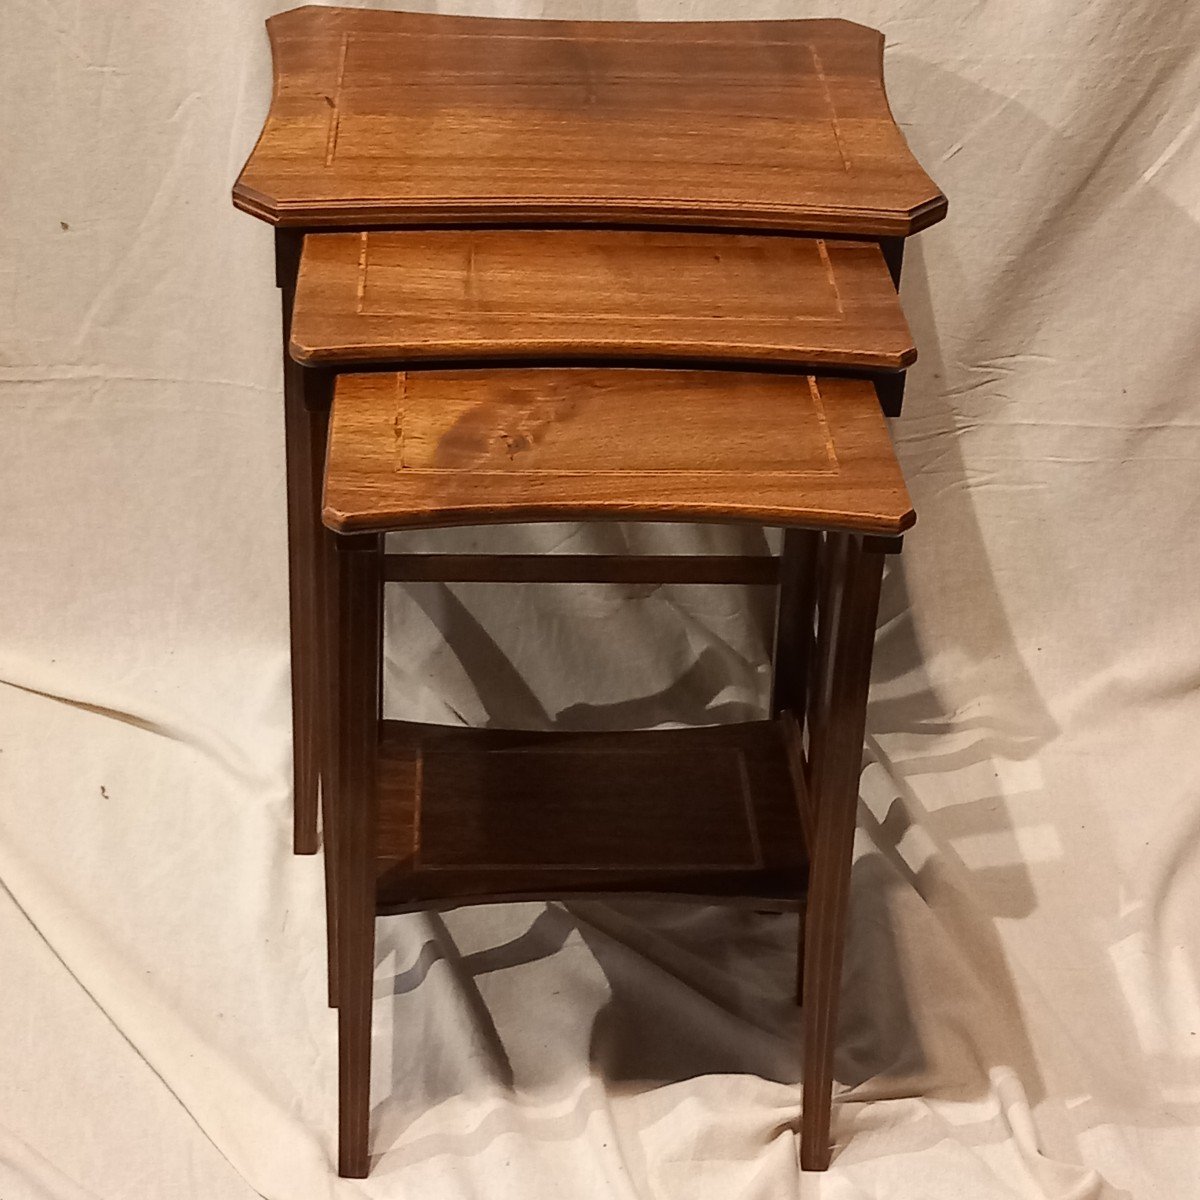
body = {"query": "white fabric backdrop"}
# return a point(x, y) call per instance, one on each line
point(1022, 999)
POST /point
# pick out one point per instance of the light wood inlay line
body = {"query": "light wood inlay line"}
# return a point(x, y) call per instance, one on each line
point(401, 408)
point(748, 473)
point(335, 104)
point(826, 262)
point(833, 119)
point(363, 253)
point(814, 390)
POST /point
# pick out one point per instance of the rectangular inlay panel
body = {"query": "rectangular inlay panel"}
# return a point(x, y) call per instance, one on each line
point(469, 813)
point(414, 118)
point(540, 443)
point(427, 276)
point(553, 423)
point(597, 294)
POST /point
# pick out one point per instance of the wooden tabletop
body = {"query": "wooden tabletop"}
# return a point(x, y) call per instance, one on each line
point(460, 447)
point(392, 118)
point(461, 295)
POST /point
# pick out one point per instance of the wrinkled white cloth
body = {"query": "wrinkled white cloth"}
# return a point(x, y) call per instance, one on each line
point(1021, 1003)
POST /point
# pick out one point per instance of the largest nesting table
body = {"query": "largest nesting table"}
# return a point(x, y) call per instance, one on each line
point(404, 132)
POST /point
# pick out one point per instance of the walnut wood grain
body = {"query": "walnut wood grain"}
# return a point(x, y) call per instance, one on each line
point(460, 295)
point(391, 118)
point(470, 447)
point(470, 815)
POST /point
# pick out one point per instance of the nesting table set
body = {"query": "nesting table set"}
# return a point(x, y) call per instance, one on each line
point(552, 270)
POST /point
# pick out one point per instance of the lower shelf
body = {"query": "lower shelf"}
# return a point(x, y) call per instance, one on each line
point(471, 815)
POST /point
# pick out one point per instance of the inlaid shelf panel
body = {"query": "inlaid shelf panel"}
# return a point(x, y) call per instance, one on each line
point(576, 293)
point(391, 118)
point(445, 447)
point(471, 814)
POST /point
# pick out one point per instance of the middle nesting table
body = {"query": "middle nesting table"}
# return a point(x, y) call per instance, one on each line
point(465, 295)
point(509, 299)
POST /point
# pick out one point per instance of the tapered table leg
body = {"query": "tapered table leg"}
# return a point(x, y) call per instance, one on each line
point(358, 622)
point(322, 656)
point(794, 645)
point(837, 717)
point(329, 771)
point(303, 519)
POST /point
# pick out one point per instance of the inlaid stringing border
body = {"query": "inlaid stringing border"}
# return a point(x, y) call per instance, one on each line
point(833, 119)
point(814, 391)
point(334, 101)
point(335, 104)
point(364, 267)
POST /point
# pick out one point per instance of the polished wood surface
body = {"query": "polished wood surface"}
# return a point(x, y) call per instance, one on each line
point(391, 118)
point(457, 295)
point(470, 447)
point(474, 815)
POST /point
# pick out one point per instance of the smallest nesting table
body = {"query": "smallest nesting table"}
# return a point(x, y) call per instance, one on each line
point(761, 812)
